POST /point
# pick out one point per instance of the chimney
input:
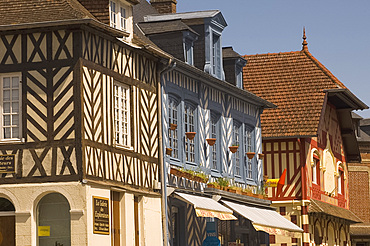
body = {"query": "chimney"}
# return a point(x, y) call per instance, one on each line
point(164, 6)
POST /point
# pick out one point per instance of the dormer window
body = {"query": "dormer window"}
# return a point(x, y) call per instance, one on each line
point(239, 76)
point(118, 15)
point(188, 39)
point(216, 55)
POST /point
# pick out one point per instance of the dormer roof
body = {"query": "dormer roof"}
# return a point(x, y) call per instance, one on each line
point(212, 14)
point(34, 11)
point(164, 26)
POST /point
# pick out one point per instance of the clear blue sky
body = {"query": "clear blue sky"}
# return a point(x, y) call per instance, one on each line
point(338, 33)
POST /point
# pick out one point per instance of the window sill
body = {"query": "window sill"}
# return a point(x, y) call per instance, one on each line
point(118, 146)
point(11, 141)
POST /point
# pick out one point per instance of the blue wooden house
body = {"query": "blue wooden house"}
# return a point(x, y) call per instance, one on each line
point(209, 124)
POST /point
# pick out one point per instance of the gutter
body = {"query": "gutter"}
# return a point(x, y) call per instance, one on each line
point(163, 168)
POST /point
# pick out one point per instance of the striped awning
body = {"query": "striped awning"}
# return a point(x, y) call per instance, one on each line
point(207, 207)
point(266, 220)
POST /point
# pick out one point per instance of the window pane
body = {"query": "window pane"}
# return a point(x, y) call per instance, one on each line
point(15, 132)
point(6, 120)
point(15, 82)
point(7, 133)
point(6, 107)
point(15, 107)
point(15, 95)
point(15, 120)
point(6, 82)
point(6, 95)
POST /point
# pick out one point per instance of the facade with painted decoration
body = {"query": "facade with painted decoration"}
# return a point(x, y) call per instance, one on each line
point(79, 127)
point(310, 135)
point(209, 124)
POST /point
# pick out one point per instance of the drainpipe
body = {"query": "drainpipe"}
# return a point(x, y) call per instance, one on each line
point(163, 169)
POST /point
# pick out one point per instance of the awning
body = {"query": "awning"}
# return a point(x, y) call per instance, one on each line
point(207, 207)
point(266, 220)
point(326, 208)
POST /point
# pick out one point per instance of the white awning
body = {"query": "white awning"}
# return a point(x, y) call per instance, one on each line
point(207, 207)
point(266, 220)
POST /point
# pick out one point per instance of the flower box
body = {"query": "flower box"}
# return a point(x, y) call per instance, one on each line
point(250, 154)
point(211, 141)
point(261, 156)
point(190, 135)
point(168, 151)
point(233, 149)
point(173, 126)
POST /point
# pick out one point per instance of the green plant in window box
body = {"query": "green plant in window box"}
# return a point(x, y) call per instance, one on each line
point(223, 183)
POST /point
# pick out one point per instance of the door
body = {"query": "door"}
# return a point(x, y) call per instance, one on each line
point(7, 223)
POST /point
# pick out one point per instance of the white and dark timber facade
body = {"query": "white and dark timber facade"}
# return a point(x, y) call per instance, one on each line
point(79, 141)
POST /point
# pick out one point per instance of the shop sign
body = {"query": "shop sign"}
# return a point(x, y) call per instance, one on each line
point(44, 231)
point(7, 163)
point(101, 215)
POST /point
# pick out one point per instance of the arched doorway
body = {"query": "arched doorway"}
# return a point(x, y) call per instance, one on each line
point(331, 235)
point(53, 221)
point(7, 223)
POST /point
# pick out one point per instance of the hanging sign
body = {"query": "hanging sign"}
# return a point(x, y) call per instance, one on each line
point(7, 163)
point(101, 215)
point(44, 231)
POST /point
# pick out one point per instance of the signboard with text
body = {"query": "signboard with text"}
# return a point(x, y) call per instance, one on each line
point(101, 215)
point(7, 163)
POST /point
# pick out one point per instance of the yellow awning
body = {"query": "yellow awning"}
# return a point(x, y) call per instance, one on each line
point(207, 207)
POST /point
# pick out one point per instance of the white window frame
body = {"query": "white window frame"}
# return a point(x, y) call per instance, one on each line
point(119, 17)
point(314, 171)
point(11, 113)
point(216, 55)
point(122, 125)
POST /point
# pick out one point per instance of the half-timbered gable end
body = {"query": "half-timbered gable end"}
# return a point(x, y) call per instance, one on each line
point(310, 135)
point(79, 125)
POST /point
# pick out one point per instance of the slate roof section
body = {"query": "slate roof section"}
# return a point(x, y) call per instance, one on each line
point(317, 206)
point(228, 52)
point(164, 26)
point(185, 15)
point(295, 82)
point(143, 9)
point(15, 12)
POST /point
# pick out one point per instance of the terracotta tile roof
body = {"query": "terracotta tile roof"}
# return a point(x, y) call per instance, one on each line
point(317, 206)
point(31, 11)
point(294, 81)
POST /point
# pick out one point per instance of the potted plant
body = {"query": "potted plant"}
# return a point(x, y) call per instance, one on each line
point(223, 183)
point(261, 156)
point(211, 141)
point(173, 126)
point(231, 189)
point(168, 151)
point(250, 154)
point(234, 148)
point(176, 172)
point(213, 185)
point(190, 135)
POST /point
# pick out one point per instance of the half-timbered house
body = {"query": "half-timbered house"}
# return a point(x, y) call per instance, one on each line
point(311, 135)
point(79, 132)
point(206, 115)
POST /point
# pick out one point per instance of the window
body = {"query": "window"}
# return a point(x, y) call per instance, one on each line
point(213, 134)
point(216, 55)
point(113, 14)
point(173, 132)
point(189, 121)
point(10, 107)
point(118, 15)
point(239, 77)
point(340, 182)
point(236, 142)
point(248, 147)
point(314, 171)
point(188, 51)
point(122, 114)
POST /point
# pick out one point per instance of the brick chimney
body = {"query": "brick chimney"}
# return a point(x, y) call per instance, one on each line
point(164, 6)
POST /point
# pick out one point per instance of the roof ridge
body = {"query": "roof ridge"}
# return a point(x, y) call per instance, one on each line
point(276, 53)
point(323, 68)
point(81, 10)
